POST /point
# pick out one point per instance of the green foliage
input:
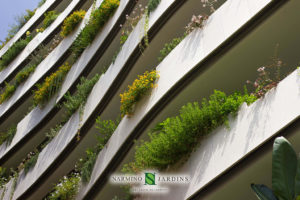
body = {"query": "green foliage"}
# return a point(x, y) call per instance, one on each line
point(285, 174)
point(87, 165)
point(8, 136)
point(66, 189)
point(31, 161)
point(71, 22)
point(24, 74)
point(169, 47)
point(13, 52)
point(97, 20)
point(50, 17)
point(8, 92)
point(176, 137)
point(152, 5)
point(73, 102)
point(136, 91)
point(105, 128)
point(51, 85)
point(4, 176)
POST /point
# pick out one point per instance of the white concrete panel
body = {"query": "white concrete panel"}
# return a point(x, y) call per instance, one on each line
point(253, 126)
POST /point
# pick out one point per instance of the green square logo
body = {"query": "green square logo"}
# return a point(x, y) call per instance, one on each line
point(150, 178)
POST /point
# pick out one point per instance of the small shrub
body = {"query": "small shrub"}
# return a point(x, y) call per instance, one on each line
point(152, 5)
point(176, 137)
point(30, 161)
point(8, 92)
point(51, 85)
point(135, 92)
point(66, 189)
point(106, 128)
point(8, 136)
point(50, 17)
point(71, 22)
point(169, 47)
point(97, 20)
point(13, 52)
point(73, 102)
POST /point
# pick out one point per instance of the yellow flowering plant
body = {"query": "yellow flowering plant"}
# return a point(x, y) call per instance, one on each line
point(135, 91)
point(51, 85)
point(71, 22)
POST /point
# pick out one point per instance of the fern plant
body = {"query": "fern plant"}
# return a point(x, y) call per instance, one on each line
point(176, 137)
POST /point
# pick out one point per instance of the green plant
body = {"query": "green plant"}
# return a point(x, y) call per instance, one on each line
point(169, 47)
point(8, 92)
point(50, 17)
point(176, 137)
point(8, 136)
point(71, 22)
point(97, 20)
point(105, 128)
point(74, 101)
point(4, 176)
point(30, 161)
point(51, 85)
point(86, 165)
point(152, 5)
point(24, 74)
point(13, 51)
point(285, 174)
point(135, 92)
point(66, 189)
